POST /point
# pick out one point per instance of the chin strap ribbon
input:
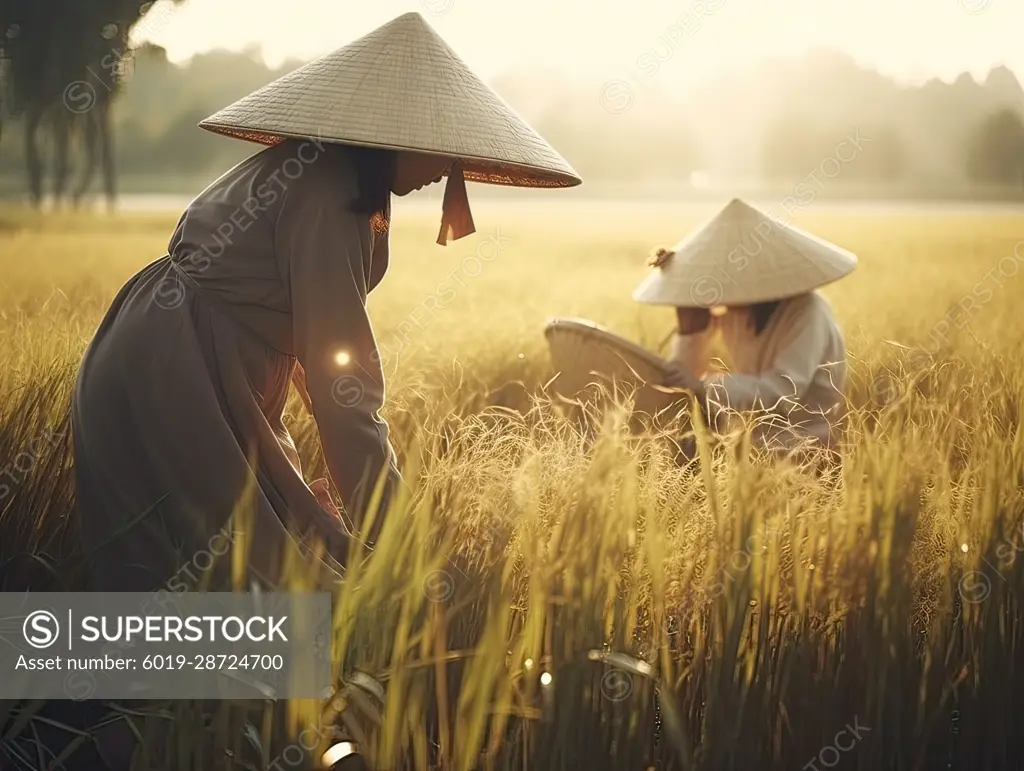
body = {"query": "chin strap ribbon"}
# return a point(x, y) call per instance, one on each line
point(456, 218)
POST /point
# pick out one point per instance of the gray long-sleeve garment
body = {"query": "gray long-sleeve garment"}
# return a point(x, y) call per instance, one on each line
point(794, 369)
point(179, 401)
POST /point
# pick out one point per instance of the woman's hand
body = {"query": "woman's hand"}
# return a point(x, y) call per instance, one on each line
point(680, 376)
point(322, 490)
point(692, 320)
point(299, 381)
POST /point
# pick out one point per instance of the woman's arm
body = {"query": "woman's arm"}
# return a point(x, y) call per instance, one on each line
point(299, 381)
point(690, 341)
point(688, 359)
point(326, 248)
point(688, 351)
point(321, 487)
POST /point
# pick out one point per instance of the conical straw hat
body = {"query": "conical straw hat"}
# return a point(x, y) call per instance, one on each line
point(743, 256)
point(400, 87)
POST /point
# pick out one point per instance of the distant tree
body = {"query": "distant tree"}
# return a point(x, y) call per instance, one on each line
point(635, 145)
point(996, 151)
point(882, 157)
point(788, 150)
point(784, 120)
point(793, 149)
point(203, 148)
point(63, 66)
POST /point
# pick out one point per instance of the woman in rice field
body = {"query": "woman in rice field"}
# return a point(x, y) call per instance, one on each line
point(744, 292)
point(179, 404)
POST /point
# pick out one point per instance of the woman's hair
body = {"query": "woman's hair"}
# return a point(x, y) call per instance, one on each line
point(375, 173)
point(763, 314)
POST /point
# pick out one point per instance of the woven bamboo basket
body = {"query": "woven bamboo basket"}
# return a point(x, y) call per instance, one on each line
point(590, 360)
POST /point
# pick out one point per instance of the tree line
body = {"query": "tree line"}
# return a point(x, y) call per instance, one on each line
point(70, 90)
point(61, 69)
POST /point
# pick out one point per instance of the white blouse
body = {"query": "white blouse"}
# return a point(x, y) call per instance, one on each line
point(792, 374)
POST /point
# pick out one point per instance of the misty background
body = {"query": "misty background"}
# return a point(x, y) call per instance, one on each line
point(820, 120)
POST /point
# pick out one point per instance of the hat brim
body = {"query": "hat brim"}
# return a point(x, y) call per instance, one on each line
point(650, 293)
point(475, 168)
point(742, 256)
point(400, 87)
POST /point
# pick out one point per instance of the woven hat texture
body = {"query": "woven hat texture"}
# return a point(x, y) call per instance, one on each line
point(400, 87)
point(743, 256)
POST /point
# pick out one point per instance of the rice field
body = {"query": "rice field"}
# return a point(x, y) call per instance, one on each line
point(546, 596)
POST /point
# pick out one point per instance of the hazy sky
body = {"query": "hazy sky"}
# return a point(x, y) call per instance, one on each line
point(911, 39)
